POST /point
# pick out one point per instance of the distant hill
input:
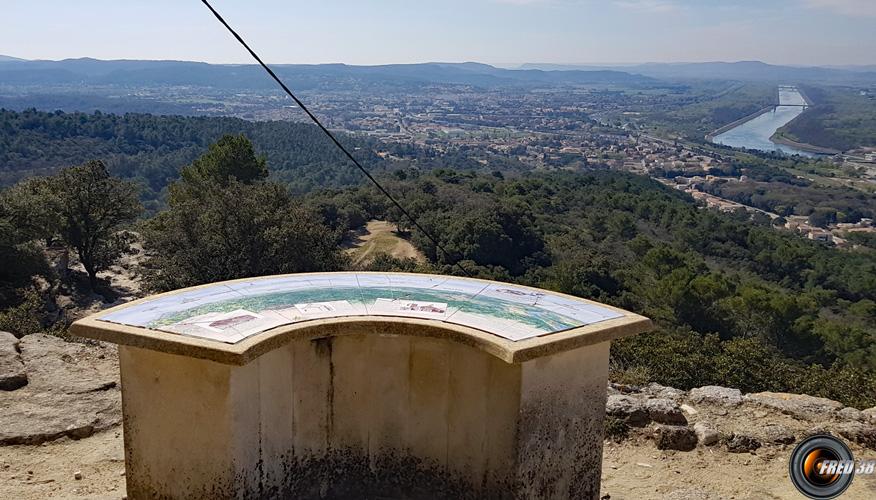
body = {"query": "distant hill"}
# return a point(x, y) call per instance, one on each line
point(89, 71)
point(861, 68)
point(742, 70)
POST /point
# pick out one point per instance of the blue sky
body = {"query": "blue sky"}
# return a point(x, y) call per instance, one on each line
point(805, 32)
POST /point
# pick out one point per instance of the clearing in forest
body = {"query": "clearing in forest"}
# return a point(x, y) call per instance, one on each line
point(381, 237)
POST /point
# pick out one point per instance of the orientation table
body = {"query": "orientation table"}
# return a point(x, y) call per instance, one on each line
point(363, 385)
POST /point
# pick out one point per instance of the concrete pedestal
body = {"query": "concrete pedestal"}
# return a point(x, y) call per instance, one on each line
point(371, 408)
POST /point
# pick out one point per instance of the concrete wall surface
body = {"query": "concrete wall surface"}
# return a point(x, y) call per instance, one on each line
point(365, 416)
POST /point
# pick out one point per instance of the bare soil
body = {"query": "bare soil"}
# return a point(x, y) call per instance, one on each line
point(630, 470)
point(634, 470)
point(382, 237)
point(48, 470)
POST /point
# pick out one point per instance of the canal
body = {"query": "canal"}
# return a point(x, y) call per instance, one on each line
point(756, 133)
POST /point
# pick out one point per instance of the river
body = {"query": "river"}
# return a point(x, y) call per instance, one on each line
point(756, 133)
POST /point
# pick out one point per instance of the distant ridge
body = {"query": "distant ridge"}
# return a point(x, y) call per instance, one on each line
point(9, 58)
point(740, 70)
point(88, 71)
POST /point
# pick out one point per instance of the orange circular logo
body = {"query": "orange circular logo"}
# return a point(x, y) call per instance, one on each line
point(821, 467)
point(813, 464)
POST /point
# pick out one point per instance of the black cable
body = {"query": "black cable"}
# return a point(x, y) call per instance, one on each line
point(334, 140)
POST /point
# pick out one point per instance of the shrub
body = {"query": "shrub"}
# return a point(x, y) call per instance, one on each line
point(26, 317)
point(686, 359)
point(616, 429)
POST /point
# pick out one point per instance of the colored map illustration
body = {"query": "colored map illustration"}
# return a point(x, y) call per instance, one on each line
point(231, 312)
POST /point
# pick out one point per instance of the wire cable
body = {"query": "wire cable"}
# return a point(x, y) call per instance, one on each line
point(335, 140)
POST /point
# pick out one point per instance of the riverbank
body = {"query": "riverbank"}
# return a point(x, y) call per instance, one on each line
point(805, 97)
point(730, 126)
point(765, 130)
point(778, 138)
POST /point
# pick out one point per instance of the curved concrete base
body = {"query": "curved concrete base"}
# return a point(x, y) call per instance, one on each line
point(359, 416)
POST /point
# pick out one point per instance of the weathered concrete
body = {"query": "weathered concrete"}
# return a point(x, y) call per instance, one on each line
point(365, 407)
point(393, 416)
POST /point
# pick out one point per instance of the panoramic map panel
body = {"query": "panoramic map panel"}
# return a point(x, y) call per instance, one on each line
point(232, 312)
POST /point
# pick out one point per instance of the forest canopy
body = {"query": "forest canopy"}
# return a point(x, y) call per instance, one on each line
point(152, 149)
point(736, 301)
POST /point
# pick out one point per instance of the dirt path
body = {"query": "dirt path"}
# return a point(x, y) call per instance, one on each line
point(380, 237)
point(48, 471)
point(629, 471)
point(638, 470)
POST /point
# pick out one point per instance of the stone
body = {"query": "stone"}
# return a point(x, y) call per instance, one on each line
point(706, 434)
point(625, 388)
point(774, 433)
point(665, 411)
point(869, 414)
point(663, 392)
point(740, 443)
point(716, 395)
point(77, 475)
point(863, 434)
point(690, 410)
point(675, 437)
point(849, 413)
point(796, 405)
point(70, 392)
point(12, 372)
point(627, 408)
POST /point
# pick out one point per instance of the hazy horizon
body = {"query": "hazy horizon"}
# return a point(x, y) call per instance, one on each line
point(515, 65)
point(498, 32)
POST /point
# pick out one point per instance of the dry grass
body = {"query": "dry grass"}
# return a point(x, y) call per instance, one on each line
point(381, 237)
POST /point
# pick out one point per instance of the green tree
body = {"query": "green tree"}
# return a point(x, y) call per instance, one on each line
point(223, 226)
point(33, 207)
point(822, 217)
point(854, 342)
point(231, 157)
point(16, 247)
point(622, 225)
point(93, 208)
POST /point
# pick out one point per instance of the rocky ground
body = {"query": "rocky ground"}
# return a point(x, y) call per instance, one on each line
point(60, 432)
point(63, 418)
point(73, 298)
point(715, 442)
